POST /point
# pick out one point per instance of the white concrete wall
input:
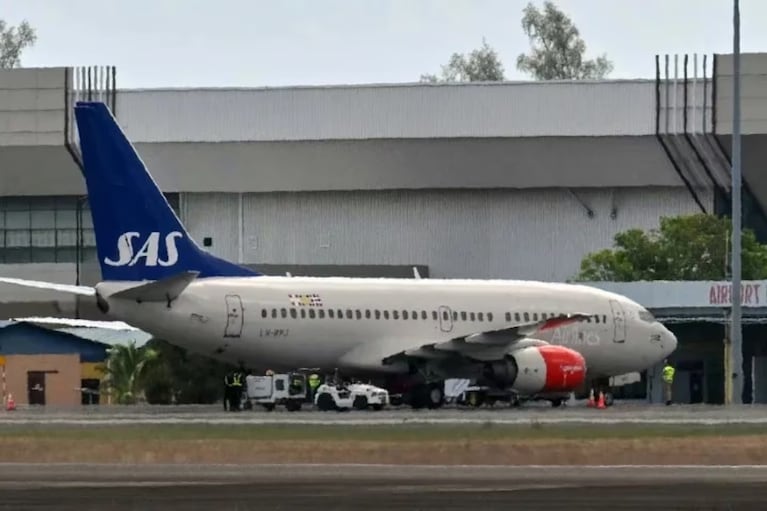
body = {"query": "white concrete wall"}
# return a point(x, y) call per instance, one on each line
point(527, 109)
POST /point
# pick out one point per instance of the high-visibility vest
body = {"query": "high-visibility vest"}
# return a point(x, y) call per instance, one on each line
point(237, 380)
point(668, 374)
point(314, 381)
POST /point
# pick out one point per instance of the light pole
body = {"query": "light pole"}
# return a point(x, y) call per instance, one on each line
point(736, 330)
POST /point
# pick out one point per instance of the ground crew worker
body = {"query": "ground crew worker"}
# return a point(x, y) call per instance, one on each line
point(228, 391)
point(668, 380)
point(314, 382)
point(237, 390)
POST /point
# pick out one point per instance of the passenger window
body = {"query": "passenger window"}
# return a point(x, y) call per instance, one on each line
point(386, 314)
point(395, 314)
point(489, 316)
point(434, 315)
point(274, 313)
point(331, 313)
point(445, 316)
point(535, 316)
point(321, 313)
point(516, 317)
point(311, 313)
point(543, 315)
point(527, 316)
point(293, 313)
point(263, 313)
point(471, 316)
point(303, 313)
point(348, 314)
point(414, 315)
point(424, 316)
point(463, 315)
point(284, 313)
point(596, 319)
point(340, 314)
point(455, 316)
point(508, 317)
point(378, 314)
point(367, 313)
point(481, 316)
point(404, 315)
point(604, 319)
point(358, 314)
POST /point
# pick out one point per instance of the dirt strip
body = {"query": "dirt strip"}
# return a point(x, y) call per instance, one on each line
point(733, 450)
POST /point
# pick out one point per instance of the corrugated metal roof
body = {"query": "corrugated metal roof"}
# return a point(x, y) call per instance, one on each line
point(109, 336)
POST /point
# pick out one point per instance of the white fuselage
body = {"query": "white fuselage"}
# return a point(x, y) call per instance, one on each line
point(292, 322)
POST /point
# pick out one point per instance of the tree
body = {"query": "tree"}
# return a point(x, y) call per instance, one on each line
point(13, 40)
point(557, 50)
point(481, 65)
point(125, 370)
point(693, 247)
point(179, 377)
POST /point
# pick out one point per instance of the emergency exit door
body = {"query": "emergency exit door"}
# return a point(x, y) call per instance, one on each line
point(234, 317)
point(619, 321)
point(445, 318)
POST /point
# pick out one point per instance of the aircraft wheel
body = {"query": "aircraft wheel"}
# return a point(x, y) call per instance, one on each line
point(419, 397)
point(268, 406)
point(436, 395)
point(556, 403)
point(609, 399)
point(378, 407)
point(325, 402)
point(360, 403)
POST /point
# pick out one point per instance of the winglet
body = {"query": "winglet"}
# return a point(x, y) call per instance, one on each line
point(163, 290)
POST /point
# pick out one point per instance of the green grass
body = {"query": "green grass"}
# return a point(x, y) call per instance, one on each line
point(405, 433)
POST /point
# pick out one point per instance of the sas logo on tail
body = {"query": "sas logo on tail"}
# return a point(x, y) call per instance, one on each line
point(149, 251)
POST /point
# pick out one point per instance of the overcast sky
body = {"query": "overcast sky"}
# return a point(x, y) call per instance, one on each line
point(247, 43)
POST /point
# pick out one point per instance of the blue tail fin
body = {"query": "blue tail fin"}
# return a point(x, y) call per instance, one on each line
point(138, 235)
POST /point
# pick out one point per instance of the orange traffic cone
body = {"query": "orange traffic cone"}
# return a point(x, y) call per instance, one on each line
point(10, 404)
point(592, 403)
point(601, 402)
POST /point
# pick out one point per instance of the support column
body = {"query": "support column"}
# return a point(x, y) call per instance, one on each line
point(727, 344)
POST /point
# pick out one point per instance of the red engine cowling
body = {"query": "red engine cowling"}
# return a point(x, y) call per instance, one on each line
point(548, 368)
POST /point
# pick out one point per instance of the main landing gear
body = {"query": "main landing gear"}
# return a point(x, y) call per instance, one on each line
point(426, 395)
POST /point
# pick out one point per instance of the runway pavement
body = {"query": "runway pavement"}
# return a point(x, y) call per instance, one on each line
point(354, 487)
point(619, 414)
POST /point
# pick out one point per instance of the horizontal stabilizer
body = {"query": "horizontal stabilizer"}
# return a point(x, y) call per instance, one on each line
point(51, 286)
point(163, 290)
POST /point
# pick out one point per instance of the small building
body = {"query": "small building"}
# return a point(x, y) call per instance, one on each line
point(698, 312)
point(42, 366)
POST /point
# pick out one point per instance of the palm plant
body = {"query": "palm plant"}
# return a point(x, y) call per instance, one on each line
point(125, 369)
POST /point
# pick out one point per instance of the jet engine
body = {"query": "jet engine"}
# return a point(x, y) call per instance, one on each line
point(539, 369)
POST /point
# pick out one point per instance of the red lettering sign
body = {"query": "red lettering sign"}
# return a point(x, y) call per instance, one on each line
point(721, 294)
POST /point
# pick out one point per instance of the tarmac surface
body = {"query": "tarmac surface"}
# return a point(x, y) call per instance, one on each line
point(621, 413)
point(354, 487)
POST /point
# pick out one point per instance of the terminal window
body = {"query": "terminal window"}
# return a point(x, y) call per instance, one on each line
point(49, 229)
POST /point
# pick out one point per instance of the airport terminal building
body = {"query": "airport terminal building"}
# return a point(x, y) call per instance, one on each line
point(499, 180)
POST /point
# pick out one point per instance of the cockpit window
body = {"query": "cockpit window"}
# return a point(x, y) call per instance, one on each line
point(645, 315)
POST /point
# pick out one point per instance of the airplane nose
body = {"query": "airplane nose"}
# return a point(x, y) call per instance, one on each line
point(670, 341)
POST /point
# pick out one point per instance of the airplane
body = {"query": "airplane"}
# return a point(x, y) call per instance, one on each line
point(535, 338)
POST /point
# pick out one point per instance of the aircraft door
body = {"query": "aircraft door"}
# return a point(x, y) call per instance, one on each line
point(445, 318)
point(234, 318)
point(619, 321)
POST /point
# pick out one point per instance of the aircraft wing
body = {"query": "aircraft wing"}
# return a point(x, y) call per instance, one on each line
point(64, 288)
point(482, 346)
